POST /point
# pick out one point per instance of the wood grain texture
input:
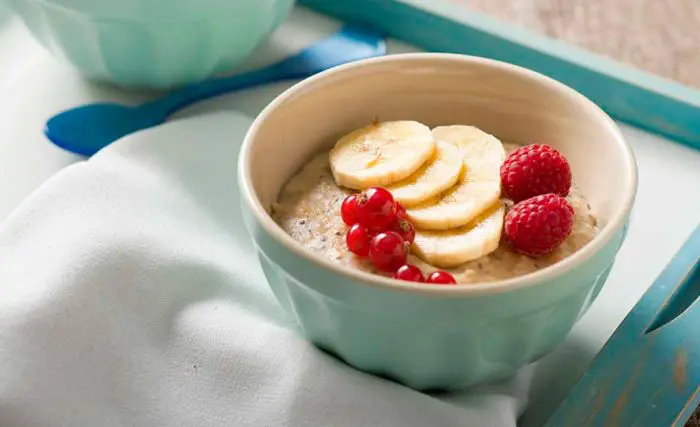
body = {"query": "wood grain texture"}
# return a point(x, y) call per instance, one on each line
point(662, 37)
point(647, 374)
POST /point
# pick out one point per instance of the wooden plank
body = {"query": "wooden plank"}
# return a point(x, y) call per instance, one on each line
point(660, 37)
point(648, 373)
point(630, 95)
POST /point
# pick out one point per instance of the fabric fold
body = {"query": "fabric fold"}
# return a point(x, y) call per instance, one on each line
point(130, 296)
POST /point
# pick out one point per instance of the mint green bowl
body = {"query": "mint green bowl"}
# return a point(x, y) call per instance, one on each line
point(425, 336)
point(151, 43)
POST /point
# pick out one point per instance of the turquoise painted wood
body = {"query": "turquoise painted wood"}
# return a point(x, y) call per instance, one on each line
point(648, 373)
point(630, 95)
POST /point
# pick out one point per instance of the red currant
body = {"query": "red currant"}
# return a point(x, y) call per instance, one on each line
point(376, 209)
point(388, 251)
point(358, 239)
point(348, 210)
point(410, 273)
point(405, 229)
point(401, 211)
point(441, 278)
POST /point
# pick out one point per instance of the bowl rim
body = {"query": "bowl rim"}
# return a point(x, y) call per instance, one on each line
point(117, 18)
point(616, 222)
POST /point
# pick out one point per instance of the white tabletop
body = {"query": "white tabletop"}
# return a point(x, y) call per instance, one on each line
point(33, 86)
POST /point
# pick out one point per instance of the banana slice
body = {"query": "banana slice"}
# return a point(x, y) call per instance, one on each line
point(450, 248)
point(437, 175)
point(380, 154)
point(478, 188)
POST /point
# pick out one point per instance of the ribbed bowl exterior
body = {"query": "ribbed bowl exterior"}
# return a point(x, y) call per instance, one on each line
point(427, 341)
point(148, 50)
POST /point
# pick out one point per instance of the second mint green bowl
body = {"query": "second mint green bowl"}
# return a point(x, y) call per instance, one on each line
point(424, 336)
point(151, 43)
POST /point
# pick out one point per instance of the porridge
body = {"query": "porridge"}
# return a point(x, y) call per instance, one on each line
point(457, 208)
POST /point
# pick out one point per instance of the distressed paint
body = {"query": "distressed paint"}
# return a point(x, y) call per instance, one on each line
point(646, 376)
point(680, 369)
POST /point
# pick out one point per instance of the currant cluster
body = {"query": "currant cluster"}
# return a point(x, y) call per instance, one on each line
point(380, 229)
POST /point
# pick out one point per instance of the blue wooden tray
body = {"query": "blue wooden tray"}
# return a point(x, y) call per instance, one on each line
point(648, 373)
point(628, 94)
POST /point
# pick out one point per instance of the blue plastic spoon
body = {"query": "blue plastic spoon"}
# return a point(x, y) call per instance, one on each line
point(86, 129)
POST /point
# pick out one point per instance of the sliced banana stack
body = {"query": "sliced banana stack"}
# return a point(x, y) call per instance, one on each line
point(381, 154)
point(448, 179)
point(451, 248)
point(440, 173)
point(477, 190)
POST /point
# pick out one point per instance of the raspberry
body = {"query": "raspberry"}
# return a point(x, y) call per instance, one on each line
point(533, 170)
point(538, 225)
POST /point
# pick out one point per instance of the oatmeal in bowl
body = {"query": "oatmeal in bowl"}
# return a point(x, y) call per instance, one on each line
point(448, 206)
point(436, 219)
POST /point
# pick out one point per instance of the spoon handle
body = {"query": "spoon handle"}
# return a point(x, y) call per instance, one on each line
point(190, 94)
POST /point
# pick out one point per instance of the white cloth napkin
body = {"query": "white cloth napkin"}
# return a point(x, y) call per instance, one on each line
point(130, 295)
